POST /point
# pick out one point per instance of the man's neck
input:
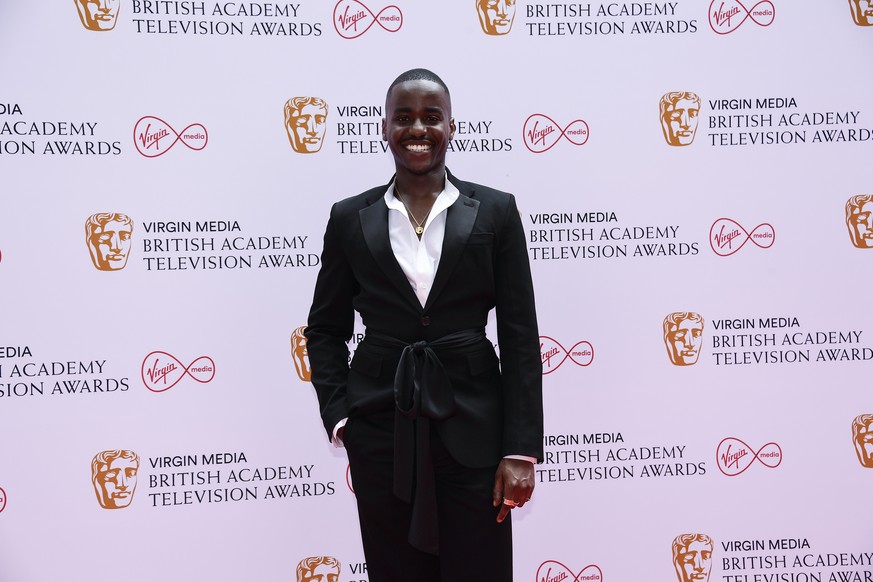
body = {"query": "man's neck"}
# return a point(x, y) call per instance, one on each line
point(421, 186)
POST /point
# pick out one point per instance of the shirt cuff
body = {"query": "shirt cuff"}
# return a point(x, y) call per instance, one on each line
point(337, 442)
point(532, 460)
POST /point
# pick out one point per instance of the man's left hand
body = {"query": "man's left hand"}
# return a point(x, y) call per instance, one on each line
point(514, 483)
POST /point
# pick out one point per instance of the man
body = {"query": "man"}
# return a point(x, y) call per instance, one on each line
point(98, 14)
point(859, 219)
point(300, 355)
point(441, 438)
point(305, 121)
point(679, 116)
point(862, 436)
point(683, 336)
point(496, 16)
point(862, 12)
point(107, 235)
point(692, 557)
point(113, 474)
point(318, 569)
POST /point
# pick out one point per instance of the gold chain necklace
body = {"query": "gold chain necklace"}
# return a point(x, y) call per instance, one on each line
point(419, 224)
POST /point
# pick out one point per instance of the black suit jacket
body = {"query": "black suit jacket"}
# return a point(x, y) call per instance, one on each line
point(483, 265)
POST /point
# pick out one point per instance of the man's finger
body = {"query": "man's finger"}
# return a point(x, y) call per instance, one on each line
point(504, 511)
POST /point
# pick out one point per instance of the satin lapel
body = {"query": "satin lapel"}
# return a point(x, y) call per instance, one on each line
point(374, 223)
point(460, 218)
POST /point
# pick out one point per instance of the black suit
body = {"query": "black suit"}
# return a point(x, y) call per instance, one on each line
point(483, 265)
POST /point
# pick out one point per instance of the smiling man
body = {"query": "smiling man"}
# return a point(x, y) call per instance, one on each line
point(441, 436)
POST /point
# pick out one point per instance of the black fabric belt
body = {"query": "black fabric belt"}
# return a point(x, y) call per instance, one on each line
point(422, 392)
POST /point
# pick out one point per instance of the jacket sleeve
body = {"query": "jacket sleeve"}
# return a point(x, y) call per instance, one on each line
point(331, 324)
point(518, 338)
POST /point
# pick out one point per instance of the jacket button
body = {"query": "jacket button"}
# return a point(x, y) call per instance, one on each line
point(425, 320)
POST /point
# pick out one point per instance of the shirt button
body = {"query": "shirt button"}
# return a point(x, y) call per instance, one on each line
point(425, 320)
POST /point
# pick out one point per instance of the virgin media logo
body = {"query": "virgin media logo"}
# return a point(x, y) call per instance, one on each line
point(154, 137)
point(735, 457)
point(352, 18)
point(541, 133)
point(161, 371)
point(725, 16)
point(553, 354)
point(727, 236)
point(554, 571)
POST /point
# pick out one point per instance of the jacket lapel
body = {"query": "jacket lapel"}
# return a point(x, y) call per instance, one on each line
point(374, 223)
point(460, 218)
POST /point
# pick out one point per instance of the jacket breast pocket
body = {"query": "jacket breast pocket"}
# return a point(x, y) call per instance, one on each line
point(481, 238)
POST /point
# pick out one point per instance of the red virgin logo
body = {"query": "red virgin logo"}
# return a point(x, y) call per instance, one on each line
point(734, 457)
point(553, 354)
point(161, 371)
point(541, 133)
point(153, 137)
point(725, 16)
point(727, 236)
point(554, 571)
point(352, 18)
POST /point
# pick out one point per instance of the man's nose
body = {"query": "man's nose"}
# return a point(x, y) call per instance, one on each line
point(418, 128)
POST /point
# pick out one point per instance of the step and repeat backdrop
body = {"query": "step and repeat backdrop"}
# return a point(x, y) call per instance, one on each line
point(695, 184)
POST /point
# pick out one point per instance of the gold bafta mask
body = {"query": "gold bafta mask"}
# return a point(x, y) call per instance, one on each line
point(679, 116)
point(862, 12)
point(318, 569)
point(114, 476)
point(98, 14)
point(859, 220)
point(692, 557)
point(862, 437)
point(107, 235)
point(305, 122)
point(683, 336)
point(496, 16)
point(300, 355)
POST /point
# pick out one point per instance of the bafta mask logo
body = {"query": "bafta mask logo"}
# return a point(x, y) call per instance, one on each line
point(98, 14)
point(683, 336)
point(679, 115)
point(692, 557)
point(300, 355)
point(862, 436)
point(496, 16)
point(113, 474)
point(107, 235)
point(859, 219)
point(862, 12)
point(305, 122)
point(318, 569)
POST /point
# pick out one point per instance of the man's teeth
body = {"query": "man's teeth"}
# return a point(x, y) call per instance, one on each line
point(417, 147)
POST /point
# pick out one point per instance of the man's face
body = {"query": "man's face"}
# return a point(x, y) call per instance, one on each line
point(684, 342)
point(110, 245)
point(98, 14)
point(864, 445)
point(321, 573)
point(306, 128)
point(680, 121)
point(496, 16)
point(695, 562)
point(118, 482)
point(862, 11)
point(861, 223)
point(418, 126)
point(301, 356)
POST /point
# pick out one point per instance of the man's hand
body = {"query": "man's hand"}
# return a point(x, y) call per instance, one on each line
point(513, 482)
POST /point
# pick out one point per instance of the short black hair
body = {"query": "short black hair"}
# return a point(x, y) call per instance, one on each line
point(419, 75)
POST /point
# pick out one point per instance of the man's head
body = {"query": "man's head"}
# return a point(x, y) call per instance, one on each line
point(98, 14)
point(300, 354)
point(862, 12)
point(107, 235)
point(318, 569)
point(862, 436)
point(683, 336)
point(859, 219)
point(113, 474)
point(418, 122)
point(679, 112)
point(305, 122)
point(496, 16)
point(692, 557)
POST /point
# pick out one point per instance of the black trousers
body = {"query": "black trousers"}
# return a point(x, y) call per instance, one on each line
point(473, 546)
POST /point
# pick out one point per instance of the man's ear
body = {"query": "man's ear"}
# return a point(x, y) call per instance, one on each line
point(452, 128)
point(384, 132)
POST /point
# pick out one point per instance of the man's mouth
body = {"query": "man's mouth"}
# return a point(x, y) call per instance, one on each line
point(418, 148)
